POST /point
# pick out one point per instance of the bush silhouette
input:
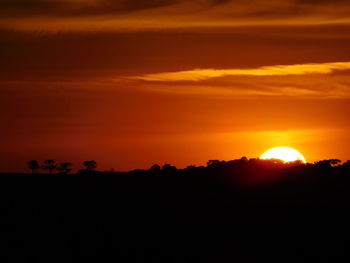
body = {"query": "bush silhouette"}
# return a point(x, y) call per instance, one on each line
point(65, 167)
point(34, 166)
point(49, 165)
point(90, 165)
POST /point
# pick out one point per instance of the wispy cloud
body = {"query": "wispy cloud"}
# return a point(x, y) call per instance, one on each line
point(70, 15)
point(277, 70)
point(333, 91)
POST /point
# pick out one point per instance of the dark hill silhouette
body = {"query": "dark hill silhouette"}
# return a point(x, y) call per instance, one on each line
point(228, 211)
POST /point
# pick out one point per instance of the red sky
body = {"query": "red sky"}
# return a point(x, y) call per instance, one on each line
point(133, 83)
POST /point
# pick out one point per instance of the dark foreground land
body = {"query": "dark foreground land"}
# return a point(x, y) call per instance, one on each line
point(299, 214)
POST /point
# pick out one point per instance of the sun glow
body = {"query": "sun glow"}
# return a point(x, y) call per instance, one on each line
point(285, 154)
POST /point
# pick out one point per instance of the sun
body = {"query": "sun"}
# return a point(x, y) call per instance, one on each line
point(285, 154)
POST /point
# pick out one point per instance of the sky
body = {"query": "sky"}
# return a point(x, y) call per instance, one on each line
point(133, 83)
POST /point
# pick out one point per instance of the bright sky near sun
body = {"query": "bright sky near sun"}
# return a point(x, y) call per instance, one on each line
point(132, 83)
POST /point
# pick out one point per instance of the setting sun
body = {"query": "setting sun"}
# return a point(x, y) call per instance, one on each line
point(285, 154)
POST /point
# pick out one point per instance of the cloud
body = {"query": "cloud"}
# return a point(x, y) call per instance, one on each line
point(301, 81)
point(82, 15)
point(277, 70)
point(253, 90)
point(69, 7)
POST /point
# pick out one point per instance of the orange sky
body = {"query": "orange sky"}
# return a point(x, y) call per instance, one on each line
point(133, 83)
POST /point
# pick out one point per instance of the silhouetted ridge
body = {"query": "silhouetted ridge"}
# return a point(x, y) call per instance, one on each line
point(244, 210)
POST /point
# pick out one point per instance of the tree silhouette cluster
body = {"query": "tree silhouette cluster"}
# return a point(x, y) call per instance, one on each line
point(62, 168)
point(242, 210)
point(241, 170)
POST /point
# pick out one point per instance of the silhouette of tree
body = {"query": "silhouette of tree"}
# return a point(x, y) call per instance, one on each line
point(169, 169)
point(212, 162)
point(65, 167)
point(244, 159)
point(49, 165)
point(191, 169)
point(296, 163)
point(155, 168)
point(346, 164)
point(327, 163)
point(335, 161)
point(90, 165)
point(34, 166)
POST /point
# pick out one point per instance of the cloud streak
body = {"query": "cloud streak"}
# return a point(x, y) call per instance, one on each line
point(277, 70)
point(79, 15)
